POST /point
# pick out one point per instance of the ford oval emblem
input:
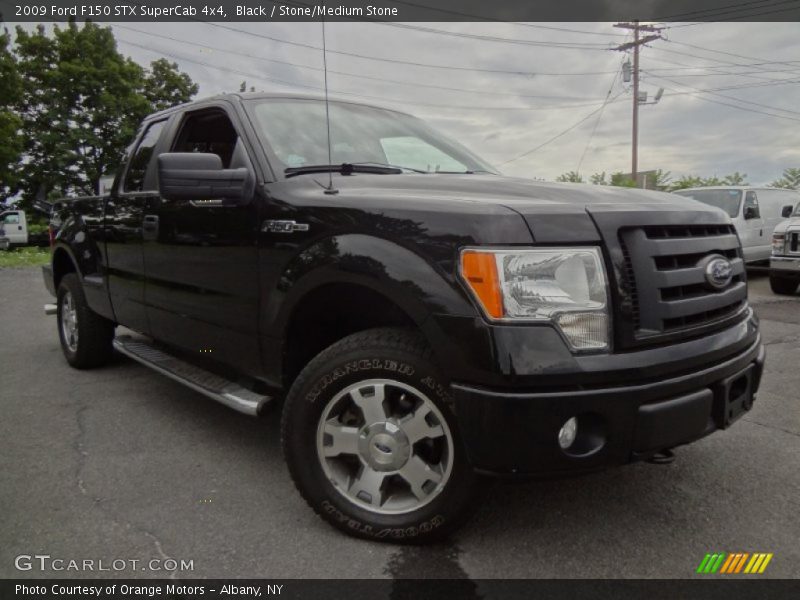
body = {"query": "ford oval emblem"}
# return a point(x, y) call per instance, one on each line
point(719, 272)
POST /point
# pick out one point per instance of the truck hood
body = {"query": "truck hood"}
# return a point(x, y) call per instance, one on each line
point(554, 212)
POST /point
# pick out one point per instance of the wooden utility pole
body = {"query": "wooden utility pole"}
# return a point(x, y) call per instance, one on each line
point(637, 41)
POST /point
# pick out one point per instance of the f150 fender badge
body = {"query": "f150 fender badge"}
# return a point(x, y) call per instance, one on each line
point(283, 226)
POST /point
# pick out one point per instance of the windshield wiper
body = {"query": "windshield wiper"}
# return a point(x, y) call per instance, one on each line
point(377, 164)
point(344, 169)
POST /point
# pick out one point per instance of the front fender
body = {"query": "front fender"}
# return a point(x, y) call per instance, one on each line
point(416, 286)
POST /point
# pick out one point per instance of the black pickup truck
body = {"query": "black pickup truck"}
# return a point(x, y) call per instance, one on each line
point(421, 320)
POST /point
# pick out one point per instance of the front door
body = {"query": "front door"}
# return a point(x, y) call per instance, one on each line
point(201, 258)
point(124, 221)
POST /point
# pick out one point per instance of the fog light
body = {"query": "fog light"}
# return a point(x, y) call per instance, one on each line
point(566, 436)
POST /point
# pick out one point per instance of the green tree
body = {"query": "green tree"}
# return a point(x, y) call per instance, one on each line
point(789, 181)
point(598, 178)
point(663, 180)
point(82, 104)
point(620, 179)
point(165, 86)
point(570, 177)
point(735, 178)
point(687, 181)
point(10, 123)
point(714, 180)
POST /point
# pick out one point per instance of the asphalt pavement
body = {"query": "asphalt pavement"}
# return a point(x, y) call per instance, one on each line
point(121, 463)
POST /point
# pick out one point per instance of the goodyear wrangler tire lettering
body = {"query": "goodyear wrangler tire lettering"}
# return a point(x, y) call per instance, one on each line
point(375, 382)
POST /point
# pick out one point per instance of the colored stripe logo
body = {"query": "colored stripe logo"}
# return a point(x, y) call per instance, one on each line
point(734, 562)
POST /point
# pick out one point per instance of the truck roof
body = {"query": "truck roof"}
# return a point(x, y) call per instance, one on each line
point(239, 96)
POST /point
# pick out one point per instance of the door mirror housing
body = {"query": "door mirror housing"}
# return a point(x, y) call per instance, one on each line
point(750, 212)
point(787, 211)
point(200, 176)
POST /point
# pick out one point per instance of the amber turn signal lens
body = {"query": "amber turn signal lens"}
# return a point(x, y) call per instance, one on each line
point(479, 269)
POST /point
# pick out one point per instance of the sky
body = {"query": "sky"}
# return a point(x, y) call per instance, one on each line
point(504, 97)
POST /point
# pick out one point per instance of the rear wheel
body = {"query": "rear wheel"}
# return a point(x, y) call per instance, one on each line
point(371, 441)
point(85, 336)
point(782, 285)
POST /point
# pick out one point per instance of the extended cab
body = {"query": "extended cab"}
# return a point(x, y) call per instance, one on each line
point(420, 320)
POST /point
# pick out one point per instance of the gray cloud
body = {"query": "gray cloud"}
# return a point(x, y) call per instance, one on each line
point(683, 133)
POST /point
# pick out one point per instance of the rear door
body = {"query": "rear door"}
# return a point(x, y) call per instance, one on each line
point(136, 190)
point(201, 257)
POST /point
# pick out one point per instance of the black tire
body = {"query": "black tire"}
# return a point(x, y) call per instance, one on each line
point(782, 285)
point(93, 345)
point(389, 354)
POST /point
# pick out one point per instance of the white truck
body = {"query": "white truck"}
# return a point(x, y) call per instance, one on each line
point(784, 264)
point(13, 228)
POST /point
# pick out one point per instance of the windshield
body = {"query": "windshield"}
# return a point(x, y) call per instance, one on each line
point(296, 131)
point(727, 200)
point(796, 212)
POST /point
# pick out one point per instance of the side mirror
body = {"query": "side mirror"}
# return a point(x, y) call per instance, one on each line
point(750, 212)
point(199, 176)
point(787, 211)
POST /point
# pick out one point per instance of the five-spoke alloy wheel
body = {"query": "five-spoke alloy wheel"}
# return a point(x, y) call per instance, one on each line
point(385, 446)
point(372, 442)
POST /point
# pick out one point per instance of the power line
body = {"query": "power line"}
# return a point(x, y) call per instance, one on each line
point(262, 77)
point(697, 94)
point(599, 118)
point(349, 74)
point(776, 62)
point(719, 10)
point(492, 19)
point(767, 106)
point(485, 38)
point(740, 17)
point(563, 133)
point(379, 59)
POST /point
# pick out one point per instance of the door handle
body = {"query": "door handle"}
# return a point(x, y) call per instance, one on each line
point(150, 227)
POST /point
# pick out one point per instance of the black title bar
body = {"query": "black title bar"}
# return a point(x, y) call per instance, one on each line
point(401, 10)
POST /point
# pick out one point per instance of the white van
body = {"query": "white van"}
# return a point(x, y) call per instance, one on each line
point(755, 213)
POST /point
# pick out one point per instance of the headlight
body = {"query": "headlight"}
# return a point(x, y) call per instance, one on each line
point(564, 286)
point(778, 243)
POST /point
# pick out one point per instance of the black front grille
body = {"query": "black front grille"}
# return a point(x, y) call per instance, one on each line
point(665, 283)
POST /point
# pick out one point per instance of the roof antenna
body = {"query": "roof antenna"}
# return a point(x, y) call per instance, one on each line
point(330, 189)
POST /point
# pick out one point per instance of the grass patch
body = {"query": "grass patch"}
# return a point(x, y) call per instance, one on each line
point(24, 257)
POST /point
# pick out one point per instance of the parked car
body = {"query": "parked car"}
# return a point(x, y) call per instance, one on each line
point(420, 320)
point(755, 213)
point(784, 264)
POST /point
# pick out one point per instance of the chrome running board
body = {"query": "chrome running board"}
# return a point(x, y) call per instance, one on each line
point(218, 388)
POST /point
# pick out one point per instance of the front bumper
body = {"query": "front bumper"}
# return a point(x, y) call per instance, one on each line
point(785, 266)
point(516, 432)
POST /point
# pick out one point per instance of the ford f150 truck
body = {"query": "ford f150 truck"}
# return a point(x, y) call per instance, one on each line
point(421, 320)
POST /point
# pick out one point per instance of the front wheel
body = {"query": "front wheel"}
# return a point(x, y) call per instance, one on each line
point(371, 442)
point(783, 286)
point(86, 337)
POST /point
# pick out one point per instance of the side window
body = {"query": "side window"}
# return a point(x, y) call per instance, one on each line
point(751, 202)
point(11, 219)
point(134, 179)
point(210, 131)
